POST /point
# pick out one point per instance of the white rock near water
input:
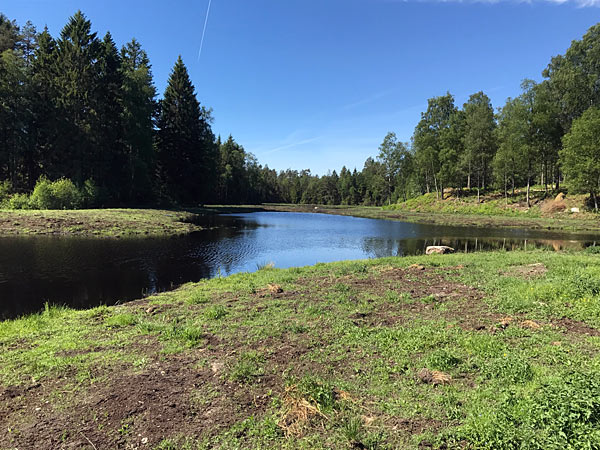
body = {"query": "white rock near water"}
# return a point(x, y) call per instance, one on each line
point(438, 249)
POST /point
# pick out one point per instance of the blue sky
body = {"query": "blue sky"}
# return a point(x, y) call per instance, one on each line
point(318, 83)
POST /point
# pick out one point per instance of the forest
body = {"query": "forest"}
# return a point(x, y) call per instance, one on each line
point(82, 125)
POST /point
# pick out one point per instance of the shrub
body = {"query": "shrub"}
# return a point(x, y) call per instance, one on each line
point(18, 201)
point(60, 194)
point(91, 194)
point(66, 195)
point(593, 250)
point(5, 190)
point(41, 197)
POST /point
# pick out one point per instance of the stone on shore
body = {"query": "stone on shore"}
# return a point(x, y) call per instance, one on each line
point(438, 249)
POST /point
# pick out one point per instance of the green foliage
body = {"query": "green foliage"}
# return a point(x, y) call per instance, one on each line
point(561, 414)
point(579, 155)
point(121, 320)
point(215, 312)
point(318, 392)
point(17, 201)
point(247, 367)
point(5, 191)
point(59, 194)
point(442, 359)
point(509, 368)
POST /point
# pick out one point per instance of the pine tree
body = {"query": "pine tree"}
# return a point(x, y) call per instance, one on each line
point(186, 147)
point(15, 115)
point(109, 161)
point(76, 83)
point(139, 108)
point(45, 121)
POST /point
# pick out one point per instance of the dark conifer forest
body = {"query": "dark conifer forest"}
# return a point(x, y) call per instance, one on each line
point(81, 116)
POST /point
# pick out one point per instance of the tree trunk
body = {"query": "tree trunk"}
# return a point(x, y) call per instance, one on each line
point(505, 191)
point(513, 185)
point(469, 177)
point(528, 184)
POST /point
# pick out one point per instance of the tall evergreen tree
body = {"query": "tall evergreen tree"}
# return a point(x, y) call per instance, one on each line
point(76, 84)
point(109, 161)
point(15, 110)
point(45, 123)
point(139, 108)
point(185, 143)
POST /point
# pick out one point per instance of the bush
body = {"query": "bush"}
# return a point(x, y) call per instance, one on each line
point(60, 194)
point(92, 194)
point(66, 194)
point(5, 190)
point(42, 198)
point(18, 201)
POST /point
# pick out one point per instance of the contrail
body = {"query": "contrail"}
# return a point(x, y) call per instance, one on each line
point(204, 29)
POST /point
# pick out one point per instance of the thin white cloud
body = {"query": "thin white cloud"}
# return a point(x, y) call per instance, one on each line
point(368, 99)
point(289, 145)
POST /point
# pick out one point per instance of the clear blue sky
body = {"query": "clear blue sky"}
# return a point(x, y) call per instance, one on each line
point(318, 83)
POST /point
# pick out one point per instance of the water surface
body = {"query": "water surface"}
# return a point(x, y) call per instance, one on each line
point(84, 272)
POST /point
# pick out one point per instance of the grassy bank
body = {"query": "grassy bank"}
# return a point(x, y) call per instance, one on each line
point(487, 350)
point(96, 222)
point(453, 212)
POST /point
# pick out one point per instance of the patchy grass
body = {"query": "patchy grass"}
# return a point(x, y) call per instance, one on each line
point(97, 222)
point(465, 211)
point(457, 351)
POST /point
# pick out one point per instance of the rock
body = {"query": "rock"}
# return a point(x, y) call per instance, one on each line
point(217, 367)
point(438, 249)
point(434, 377)
point(152, 309)
point(530, 324)
point(504, 323)
point(574, 210)
point(275, 289)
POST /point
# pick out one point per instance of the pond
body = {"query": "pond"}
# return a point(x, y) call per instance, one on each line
point(86, 272)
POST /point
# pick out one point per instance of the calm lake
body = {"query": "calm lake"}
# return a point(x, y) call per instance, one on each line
point(84, 272)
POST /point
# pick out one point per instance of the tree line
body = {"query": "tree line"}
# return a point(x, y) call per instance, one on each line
point(547, 135)
point(76, 107)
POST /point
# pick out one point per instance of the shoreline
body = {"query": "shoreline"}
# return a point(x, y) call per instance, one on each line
point(123, 222)
point(101, 223)
point(574, 226)
point(402, 352)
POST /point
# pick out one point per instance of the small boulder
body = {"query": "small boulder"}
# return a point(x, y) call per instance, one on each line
point(438, 249)
point(275, 289)
point(574, 210)
point(531, 324)
point(434, 377)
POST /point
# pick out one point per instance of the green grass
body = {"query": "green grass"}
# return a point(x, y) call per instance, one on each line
point(332, 361)
point(97, 222)
point(427, 209)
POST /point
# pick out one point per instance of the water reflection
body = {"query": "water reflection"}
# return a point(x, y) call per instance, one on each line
point(87, 272)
